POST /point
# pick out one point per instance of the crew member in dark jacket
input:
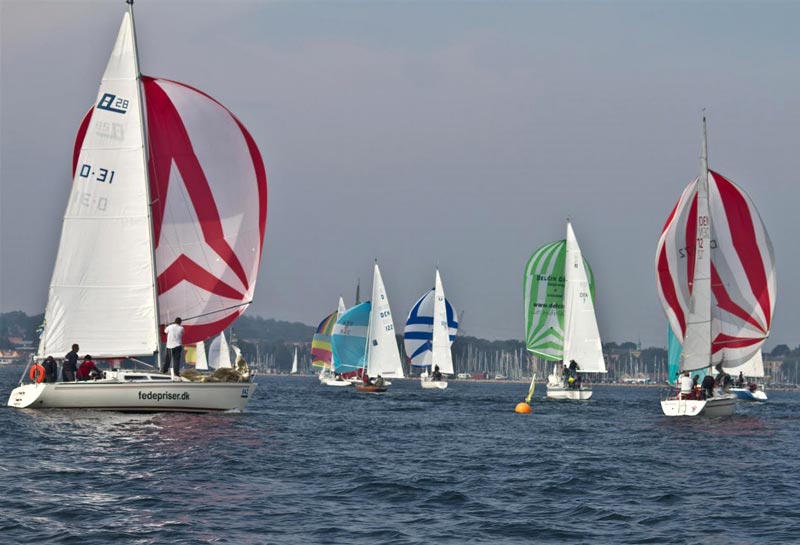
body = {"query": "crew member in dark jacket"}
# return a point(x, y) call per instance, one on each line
point(708, 387)
point(50, 369)
point(70, 365)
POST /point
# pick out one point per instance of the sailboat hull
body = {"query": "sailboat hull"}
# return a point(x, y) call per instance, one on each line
point(339, 383)
point(745, 394)
point(559, 392)
point(723, 405)
point(135, 396)
point(433, 384)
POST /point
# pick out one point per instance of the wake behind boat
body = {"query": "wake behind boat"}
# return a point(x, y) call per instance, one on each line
point(166, 218)
point(720, 320)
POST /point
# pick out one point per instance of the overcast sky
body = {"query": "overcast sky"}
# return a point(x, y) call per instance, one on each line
point(420, 133)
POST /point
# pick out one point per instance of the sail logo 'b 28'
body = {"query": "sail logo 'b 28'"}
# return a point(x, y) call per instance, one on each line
point(209, 191)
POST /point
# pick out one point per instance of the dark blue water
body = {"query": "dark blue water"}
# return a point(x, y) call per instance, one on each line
point(310, 464)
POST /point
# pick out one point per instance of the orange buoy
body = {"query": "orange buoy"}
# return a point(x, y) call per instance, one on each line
point(522, 408)
point(37, 373)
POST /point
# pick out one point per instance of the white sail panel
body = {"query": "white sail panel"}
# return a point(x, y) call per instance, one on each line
point(581, 335)
point(106, 305)
point(383, 354)
point(441, 330)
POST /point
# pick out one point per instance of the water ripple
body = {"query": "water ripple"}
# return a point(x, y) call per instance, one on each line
point(308, 464)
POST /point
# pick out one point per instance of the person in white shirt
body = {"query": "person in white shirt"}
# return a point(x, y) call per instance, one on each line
point(686, 385)
point(174, 332)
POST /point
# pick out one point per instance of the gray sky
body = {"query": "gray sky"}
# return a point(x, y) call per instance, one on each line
point(454, 133)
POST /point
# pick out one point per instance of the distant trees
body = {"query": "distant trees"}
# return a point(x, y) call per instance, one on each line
point(780, 350)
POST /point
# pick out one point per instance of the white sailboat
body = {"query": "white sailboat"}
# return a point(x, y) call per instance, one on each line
point(718, 293)
point(201, 361)
point(294, 363)
point(560, 318)
point(430, 330)
point(363, 338)
point(146, 237)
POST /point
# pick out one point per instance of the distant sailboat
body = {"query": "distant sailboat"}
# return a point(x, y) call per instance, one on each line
point(294, 363)
point(364, 337)
point(718, 292)
point(322, 356)
point(219, 353)
point(750, 390)
point(560, 321)
point(201, 362)
point(430, 330)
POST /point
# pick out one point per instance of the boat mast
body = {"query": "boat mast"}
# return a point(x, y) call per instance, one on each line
point(145, 158)
point(703, 192)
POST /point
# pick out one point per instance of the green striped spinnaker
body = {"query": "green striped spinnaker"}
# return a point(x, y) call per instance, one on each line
point(543, 292)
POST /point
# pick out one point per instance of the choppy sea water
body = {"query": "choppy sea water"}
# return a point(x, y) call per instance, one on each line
point(312, 464)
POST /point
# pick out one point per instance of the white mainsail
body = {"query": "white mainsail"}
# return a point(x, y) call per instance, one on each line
point(697, 341)
point(294, 362)
point(581, 335)
point(219, 354)
point(107, 305)
point(441, 354)
point(383, 354)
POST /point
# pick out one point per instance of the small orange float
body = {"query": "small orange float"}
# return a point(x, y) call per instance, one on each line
point(522, 408)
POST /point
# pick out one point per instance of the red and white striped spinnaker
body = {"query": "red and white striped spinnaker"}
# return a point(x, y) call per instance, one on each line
point(741, 270)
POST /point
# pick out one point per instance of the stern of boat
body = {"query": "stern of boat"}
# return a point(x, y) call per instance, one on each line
point(433, 384)
point(27, 396)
